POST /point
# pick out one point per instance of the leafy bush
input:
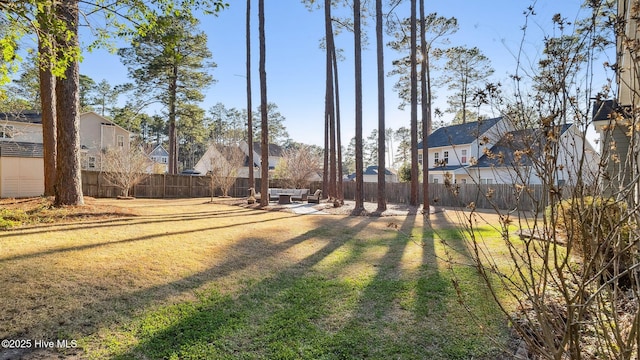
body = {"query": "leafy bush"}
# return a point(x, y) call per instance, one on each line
point(404, 173)
point(11, 218)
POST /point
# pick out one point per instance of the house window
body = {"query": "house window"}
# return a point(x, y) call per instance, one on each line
point(164, 160)
point(420, 159)
point(463, 158)
point(446, 157)
point(435, 180)
point(436, 158)
point(120, 141)
point(463, 181)
point(6, 132)
point(486, 181)
point(91, 162)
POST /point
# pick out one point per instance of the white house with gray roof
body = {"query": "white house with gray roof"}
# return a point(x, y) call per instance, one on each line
point(453, 149)
point(491, 152)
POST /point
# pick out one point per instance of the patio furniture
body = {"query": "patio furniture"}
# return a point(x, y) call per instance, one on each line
point(284, 199)
point(294, 194)
point(315, 198)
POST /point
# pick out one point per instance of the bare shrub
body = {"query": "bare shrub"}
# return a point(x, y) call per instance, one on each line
point(298, 166)
point(125, 167)
point(225, 163)
point(570, 288)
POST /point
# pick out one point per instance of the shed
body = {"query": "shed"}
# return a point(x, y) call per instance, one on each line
point(21, 165)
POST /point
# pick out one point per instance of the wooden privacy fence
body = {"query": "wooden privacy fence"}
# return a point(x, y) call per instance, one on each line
point(502, 196)
point(160, 186)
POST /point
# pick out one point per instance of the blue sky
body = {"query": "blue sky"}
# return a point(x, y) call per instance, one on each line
point(295, 62)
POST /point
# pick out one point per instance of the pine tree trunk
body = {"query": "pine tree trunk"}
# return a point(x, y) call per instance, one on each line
point(340, 188)
point(329, 105)
point(249, 105)
point(264, 188)
point(173, 136)
point(425, 88)
point(47, 100)
point(414, 109)
point(382, 201)
point(68, 176)
point(359, 206)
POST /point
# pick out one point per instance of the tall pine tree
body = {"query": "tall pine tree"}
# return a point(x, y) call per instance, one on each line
point(171, 60)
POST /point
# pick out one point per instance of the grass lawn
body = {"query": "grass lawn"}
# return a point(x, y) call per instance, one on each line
point(186, 279)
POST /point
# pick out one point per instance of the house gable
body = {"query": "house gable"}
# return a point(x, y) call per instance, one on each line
point(159, 151)
point(98, 133)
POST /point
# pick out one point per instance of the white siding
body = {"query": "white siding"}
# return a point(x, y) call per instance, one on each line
point(21, 177)
point(22, 132)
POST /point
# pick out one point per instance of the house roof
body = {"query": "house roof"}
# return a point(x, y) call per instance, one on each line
point(460, 134)
point(159, 150)
point(29, 116)
point(370, 170)
point(373, 170)
point(20, 149)
point(274, 150)
point(503, 153)
point(603, 109)
point(446, 168)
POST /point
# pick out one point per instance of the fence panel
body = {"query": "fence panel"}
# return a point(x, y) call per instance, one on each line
point(502, 196)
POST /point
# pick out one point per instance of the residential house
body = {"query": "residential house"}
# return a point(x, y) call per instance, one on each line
point(160, 160)
point(513, 159)
point(21, 155)
point(210, 157)
point(275, 154)
point(615, 142)
point(491, 152)
point(370, 174)
point(21, 127)
point(453, 149)
point(98, 134)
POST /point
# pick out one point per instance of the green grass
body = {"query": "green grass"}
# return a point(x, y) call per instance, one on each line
point(208, 281)
point(311, 317)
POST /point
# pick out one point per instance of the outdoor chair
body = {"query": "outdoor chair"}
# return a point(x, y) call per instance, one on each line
point(315, 198)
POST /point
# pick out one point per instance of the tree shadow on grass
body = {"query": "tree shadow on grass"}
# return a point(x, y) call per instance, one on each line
point(204, 329)
point(127, 305)
point(145, 237)
point(452, 295)
point(307, 311)
point(128, 219)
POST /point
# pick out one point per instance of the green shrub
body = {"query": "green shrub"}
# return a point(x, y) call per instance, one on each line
point(404, 173)
point(5, 224)
point(11, 218)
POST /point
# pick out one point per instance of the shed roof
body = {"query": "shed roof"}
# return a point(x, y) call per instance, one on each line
point(20, 149)
point(29, 116)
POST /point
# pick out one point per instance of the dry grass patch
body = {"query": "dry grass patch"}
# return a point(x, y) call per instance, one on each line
point(40, 210)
